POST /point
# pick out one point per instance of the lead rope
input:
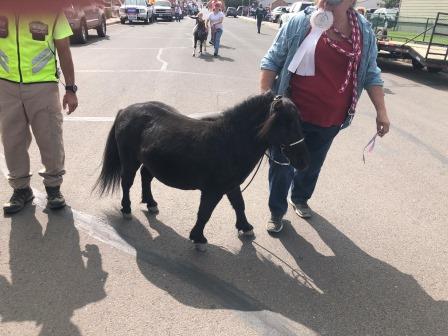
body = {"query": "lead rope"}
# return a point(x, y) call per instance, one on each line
point(253, 176)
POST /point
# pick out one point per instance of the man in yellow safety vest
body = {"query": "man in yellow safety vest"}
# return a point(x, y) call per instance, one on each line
point(29, 100)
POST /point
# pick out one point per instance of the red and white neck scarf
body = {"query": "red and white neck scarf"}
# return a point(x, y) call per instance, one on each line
point(354, 56)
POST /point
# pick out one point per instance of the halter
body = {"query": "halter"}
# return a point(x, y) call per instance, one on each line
point(282, 147)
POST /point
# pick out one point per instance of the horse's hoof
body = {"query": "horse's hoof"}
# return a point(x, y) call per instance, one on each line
point(154, 210)
point(200, 247)
point(127, 216)
point(249, 233)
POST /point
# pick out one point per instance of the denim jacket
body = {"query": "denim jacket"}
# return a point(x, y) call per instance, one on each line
point(291, 36)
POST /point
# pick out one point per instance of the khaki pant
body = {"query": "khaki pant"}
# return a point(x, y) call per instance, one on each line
point(36, 107)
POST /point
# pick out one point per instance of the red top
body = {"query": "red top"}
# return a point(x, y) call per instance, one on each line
point(317, 97)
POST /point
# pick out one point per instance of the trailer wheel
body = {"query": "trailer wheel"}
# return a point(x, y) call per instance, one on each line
point(417, 65)
point(433, 70)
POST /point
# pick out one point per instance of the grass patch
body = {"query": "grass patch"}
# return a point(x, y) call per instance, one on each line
point(404, 36)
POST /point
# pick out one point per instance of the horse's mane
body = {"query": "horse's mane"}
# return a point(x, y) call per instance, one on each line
point(249, 108)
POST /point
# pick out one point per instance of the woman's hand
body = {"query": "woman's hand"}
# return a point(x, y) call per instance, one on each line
point(376, 94)
point(382, 123)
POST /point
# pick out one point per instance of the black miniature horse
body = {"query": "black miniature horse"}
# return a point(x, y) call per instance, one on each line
point(200, 34)
point(214, 155)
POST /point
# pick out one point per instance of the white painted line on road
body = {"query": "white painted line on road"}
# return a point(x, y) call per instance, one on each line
point(117, 71)
point(111, 119)
point(89, 119)
point(167, 71)
point(159, 58)
point(122, 31)
point(154, 38)
point(149, 48)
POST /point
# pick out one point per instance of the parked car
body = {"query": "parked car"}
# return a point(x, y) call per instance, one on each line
point(242, 10)
point(277, 12)
point(383, 16)
point(84, 18)
point(231, 11)
point(295, 8)
point(163, 10)
point(136, 10)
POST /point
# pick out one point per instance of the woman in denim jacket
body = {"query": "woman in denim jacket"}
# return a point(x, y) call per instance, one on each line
point(345, 64)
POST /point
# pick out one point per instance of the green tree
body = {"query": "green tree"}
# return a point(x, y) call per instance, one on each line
point(391, 3)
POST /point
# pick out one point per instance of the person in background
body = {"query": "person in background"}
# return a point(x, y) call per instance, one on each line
point(260, 14)
point(345, 65)
point(177, 12)
point(215, 20)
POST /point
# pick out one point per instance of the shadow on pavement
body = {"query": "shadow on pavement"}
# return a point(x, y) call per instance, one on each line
point(92, 40)
point(350, 293)
point(208, 57)
point(48, 278)
point(437, 81)
point(223, 46)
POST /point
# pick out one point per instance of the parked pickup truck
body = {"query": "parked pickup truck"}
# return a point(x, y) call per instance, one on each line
point(83, 18)
point(137, 10)
point(163, 10)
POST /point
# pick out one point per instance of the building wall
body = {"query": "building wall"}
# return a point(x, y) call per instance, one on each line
point(422, 9)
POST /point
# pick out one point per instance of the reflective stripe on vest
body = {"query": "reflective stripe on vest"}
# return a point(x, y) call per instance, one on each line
point(4, 61)
point(27, 52)
point(41, 60)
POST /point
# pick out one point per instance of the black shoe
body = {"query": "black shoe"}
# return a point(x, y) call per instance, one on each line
point(18, 200)
point(211, 42)
point(55, 200)
point(215, 54)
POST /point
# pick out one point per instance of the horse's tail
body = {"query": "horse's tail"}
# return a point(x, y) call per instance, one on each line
point(110, 176)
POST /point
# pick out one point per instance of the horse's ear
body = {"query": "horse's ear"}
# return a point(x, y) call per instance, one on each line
point(269, 94)
point(276, 105)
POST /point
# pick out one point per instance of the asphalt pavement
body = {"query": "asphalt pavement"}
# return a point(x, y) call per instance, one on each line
point(372, 261)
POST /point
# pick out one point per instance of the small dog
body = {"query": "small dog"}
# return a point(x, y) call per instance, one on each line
point(200, 33)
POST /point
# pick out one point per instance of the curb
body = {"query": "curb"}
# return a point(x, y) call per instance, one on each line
point(112, 21)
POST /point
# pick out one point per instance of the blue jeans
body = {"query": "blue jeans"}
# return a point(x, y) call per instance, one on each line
point(302, 183)
point(217, 39)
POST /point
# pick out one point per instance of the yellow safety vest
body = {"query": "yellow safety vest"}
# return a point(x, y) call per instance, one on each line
point(27, 51)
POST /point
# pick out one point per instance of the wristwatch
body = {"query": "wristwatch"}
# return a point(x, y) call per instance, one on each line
point(73, 88)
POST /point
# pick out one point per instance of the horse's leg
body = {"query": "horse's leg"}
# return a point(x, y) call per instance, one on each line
point(147, 197)
point(209, 200)
point(195, 43)
point(236, 199)
point(128, 170)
